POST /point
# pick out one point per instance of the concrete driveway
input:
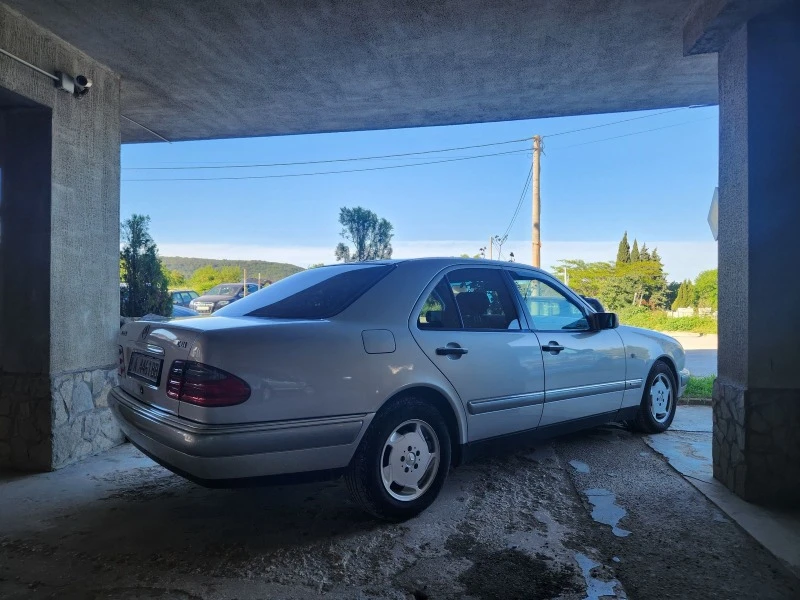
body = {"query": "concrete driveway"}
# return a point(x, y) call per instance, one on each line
point(594, 515)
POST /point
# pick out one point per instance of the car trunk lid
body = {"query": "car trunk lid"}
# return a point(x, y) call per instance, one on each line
point(148, 348)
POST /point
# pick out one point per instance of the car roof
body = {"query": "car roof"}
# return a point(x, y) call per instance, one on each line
point(442, 261)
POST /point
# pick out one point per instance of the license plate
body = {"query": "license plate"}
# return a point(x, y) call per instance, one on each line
point(145, 368)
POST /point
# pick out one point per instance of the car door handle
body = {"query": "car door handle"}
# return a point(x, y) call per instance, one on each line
point(552, 347)
point(451, 351)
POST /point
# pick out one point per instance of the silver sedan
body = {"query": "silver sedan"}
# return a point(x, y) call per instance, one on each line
point(388, 372)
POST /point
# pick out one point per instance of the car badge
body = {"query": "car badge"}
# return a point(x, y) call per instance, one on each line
point(145, 333)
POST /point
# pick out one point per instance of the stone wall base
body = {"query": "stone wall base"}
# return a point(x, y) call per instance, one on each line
point(47, 422)
point(756, 445)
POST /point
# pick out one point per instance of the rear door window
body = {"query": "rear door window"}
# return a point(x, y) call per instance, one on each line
point(317, 293)
point(440, 310)
point(483, 299)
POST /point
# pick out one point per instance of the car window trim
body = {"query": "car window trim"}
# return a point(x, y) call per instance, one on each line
point(559, 287)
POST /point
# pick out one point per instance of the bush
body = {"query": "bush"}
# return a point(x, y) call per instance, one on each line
point(640, 316)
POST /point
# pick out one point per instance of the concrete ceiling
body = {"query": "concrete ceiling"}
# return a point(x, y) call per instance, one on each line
point(199, 69)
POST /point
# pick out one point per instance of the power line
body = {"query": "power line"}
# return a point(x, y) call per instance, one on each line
point(521, 200)
point(408, 155)
point(633, 133)
point(663, 112)
point(331, 160)
point(233, 178)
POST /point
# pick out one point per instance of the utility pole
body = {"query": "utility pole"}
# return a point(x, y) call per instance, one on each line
point(491, 246)
point(244, 290)
point(537, 207)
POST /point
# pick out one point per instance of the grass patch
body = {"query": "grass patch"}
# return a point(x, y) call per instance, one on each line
point(639, 316)
point(699, 387)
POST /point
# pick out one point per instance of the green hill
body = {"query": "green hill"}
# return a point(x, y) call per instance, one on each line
point(269, 270)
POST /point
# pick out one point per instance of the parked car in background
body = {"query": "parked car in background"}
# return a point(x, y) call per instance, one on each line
point(388, 372)
point(183, 297)
point(221, 295)
point(179, 311)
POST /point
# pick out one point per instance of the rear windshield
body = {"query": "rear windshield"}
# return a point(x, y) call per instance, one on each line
point(313, 294)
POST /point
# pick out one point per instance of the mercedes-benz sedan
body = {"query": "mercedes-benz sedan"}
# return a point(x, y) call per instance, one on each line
point(388, 372)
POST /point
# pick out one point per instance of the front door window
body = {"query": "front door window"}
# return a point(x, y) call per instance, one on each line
point(548, 308)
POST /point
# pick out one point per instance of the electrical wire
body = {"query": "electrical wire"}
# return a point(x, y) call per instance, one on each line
point(332, 160)
point(663, 112)
point(282, 175)
point(158, 135)
point(632, 133)
point(407, 155)
point(525, 189)
point(29, 65)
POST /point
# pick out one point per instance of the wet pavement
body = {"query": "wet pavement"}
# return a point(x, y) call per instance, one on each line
point(542, 522)
point(687, 448)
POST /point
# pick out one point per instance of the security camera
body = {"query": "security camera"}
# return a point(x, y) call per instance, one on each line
point(77, 86)
point(82, 85)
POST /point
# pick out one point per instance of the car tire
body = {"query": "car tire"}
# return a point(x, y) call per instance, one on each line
point(407, 441)
point(659, 400)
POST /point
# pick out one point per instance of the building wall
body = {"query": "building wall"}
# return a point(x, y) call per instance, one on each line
point(60, 281)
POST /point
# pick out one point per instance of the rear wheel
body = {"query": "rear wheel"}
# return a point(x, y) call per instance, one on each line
point(402, 461)
point(659, 400)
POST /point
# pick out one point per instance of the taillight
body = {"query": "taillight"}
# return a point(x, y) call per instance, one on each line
point(121, 362)
point(200, 384)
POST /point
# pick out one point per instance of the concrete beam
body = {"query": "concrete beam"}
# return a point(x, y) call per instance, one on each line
point(201, 70)
point(712, 22)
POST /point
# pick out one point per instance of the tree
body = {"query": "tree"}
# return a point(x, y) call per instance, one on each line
point(141, 270)
point(672, 292)
point(685, 297)
point(635, 257)
point(175, 279)
point(644, 253)
point(706, 289)
point(205, 278)
point(371, 237)
point(624, 250)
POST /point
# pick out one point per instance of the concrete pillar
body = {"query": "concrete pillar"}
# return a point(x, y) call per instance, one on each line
point(59, 252)
point(756, 443)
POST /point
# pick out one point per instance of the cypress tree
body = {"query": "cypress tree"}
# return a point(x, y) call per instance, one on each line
point(644, 253)
point(635, 257)
point(680, 299)
point(624, 250)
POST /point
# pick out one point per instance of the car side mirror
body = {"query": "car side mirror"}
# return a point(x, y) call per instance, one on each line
point(595, 304)
point(602, 320)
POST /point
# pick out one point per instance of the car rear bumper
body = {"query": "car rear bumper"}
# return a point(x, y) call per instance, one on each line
point(228, 452)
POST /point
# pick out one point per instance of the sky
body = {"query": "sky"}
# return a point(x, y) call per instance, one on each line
point(652, 176)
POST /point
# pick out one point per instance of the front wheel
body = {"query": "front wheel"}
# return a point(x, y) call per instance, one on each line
point(402, 461)
point(659, 400)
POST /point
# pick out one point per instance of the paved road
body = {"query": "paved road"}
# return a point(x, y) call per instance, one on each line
point(701, 362)
point(701, 353)
point(594, 515)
